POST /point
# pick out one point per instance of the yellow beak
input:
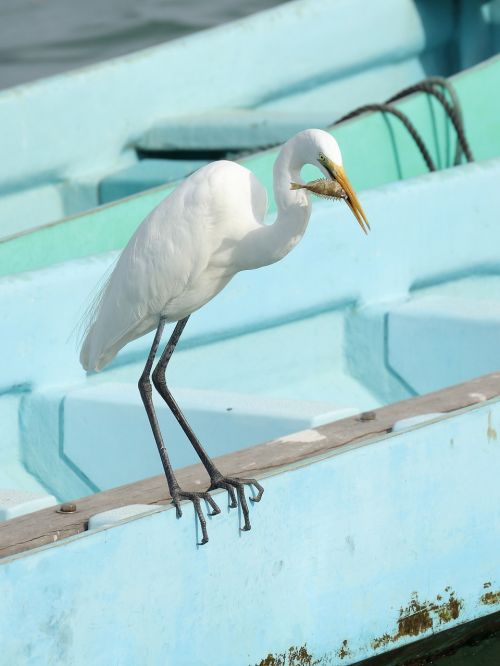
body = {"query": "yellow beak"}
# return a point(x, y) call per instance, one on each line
point(337, 173)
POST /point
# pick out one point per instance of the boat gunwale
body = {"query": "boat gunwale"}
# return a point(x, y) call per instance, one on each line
point(244, 160)
point(46, 528)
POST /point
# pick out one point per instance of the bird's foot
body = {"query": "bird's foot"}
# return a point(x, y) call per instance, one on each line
point(230, 484)
point(196, 498)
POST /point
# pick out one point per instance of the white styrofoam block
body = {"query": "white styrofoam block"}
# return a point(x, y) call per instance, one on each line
point(15, 503)
point(114, 516)
point(404, 424)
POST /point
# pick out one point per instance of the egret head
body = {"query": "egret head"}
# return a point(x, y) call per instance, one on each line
point(319, 148)
point(330, 162)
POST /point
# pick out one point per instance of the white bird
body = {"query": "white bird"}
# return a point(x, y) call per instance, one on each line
point(185, 251)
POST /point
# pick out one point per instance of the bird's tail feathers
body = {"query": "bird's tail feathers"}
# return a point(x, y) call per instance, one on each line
point(89, 316)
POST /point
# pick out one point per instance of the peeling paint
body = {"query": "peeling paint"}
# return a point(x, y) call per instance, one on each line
point(415, 619)
point(449, 611)
point(344, 650)
point(489, 598)
point(296, 656)
point(491, 432)
point(418, 617)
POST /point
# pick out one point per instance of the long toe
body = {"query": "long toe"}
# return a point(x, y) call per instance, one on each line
point(231, 484)
point(195, 498)
point(215, 507)
point(221, 483)
point(260, 491)
point(251, 483)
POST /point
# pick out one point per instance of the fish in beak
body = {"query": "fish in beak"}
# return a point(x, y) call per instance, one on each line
point(337, 173)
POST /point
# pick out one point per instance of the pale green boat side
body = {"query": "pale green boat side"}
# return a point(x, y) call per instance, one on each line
point(376, 149)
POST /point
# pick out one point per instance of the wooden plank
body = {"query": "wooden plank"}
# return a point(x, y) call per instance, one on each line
point(48, 526)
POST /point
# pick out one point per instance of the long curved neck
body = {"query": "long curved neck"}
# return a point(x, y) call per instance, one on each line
point(294, 209)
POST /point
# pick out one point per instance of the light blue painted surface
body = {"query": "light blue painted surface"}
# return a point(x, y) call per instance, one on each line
point(319, 326)
point(421, 224)
point(178, 78)
point(278, 384)
point(332, 300)
point(332, 556)
point(232, 130)
point(398, 42)
point(113, 415)
point(144, 175)
point(457, 336)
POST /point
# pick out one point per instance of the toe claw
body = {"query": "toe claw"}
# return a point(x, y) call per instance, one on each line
point(195, 498)
point(213, 504)
point(234, 484)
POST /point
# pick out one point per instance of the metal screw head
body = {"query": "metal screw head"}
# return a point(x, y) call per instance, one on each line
point(367, 416)
point(67, 507)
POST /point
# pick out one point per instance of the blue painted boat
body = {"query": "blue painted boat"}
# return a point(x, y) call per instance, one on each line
point(379, 527)
point(85, 138)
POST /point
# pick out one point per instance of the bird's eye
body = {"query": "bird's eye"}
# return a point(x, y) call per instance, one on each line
point(321, 157)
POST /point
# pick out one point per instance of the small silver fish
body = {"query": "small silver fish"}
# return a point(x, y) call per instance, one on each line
point(323, 187)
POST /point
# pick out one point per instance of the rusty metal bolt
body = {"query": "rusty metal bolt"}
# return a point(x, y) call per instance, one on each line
point(367, 416)
point(68, 507)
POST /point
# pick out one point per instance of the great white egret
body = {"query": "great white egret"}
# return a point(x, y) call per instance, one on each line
point(186, 251)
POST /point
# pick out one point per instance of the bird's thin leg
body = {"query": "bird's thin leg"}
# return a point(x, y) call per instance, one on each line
point(216, 477)
point(176, 493)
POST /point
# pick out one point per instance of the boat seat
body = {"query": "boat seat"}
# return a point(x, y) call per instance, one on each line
point(113, 415)
point(229, 130)
point(144, 175)
point(280, 117)
point(435, 342)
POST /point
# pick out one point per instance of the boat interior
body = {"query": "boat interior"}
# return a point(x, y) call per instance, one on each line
point(367, 322)
point(176, 121)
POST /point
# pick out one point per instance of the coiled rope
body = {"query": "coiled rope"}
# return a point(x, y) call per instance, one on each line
point(452, 109)
point(388, 108)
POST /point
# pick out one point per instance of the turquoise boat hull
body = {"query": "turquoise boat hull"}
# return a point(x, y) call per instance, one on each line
point(375, 531)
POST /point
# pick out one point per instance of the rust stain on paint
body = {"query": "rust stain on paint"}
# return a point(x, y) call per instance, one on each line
point(450, 610)
point(344, 650)
point(418, 617)
point(490, 598)
point(295, 656)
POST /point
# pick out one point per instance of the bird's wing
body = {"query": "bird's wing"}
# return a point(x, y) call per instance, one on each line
point(167, 253)
point(154, 267)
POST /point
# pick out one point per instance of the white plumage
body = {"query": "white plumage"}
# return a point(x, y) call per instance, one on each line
point(177, 259)
point(203, 233)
